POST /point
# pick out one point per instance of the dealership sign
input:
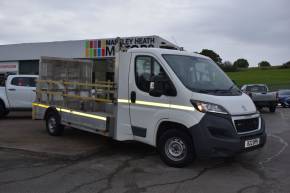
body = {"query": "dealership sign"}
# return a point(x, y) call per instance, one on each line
point(8, 67)
point(107, 47)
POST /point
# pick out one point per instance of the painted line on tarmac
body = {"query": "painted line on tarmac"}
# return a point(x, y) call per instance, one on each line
point(45, 154)
point(285, 117)
point(285, 145)
point(282, 115)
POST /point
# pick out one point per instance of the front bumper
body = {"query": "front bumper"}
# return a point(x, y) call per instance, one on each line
point(265, 103)
point(285, 101)
point(216, 136)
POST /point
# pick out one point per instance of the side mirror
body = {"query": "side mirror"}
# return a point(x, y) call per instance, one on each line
point(160, 85)
point(156, 87)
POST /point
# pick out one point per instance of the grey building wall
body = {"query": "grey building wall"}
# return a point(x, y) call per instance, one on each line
point(33, 51)
point(67, 49)
point(27, 55)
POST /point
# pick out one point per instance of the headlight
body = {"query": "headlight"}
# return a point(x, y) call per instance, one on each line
point(208, 107)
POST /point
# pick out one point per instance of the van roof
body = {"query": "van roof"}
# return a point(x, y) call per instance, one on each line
point(160, 51)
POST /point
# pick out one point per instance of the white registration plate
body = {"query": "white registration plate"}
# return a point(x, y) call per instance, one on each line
point(252, 142)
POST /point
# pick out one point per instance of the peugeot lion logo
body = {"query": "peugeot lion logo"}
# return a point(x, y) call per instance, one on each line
point(244, 108)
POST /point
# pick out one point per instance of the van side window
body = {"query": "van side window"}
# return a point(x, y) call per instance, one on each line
point(24, 81)
point(145, 68)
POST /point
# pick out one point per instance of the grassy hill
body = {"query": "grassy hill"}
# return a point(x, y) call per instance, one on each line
point(274, 78)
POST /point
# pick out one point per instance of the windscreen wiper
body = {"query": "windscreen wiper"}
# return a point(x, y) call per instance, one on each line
point(203, 91)
point(224, 90)
point(231, 87)
point(219, 90)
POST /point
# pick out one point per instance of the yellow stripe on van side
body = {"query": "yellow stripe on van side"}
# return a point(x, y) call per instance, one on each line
point(154, 104)
point(123, 101)
point(73, 112)
point(40, 105)
point(87, 115)
point(181, 107)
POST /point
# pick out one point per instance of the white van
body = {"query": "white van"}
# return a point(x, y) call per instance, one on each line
point(180, 102)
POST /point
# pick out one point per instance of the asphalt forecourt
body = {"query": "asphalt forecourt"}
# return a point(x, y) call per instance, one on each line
point(30, 162)
point(19, 132)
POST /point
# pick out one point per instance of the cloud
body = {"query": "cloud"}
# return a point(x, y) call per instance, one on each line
point(255, 30)
point(261, 21)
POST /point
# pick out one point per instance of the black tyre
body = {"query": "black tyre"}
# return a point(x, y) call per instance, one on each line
point(2, 110)
point(272, 109)
point(6, 112)
point(53, 124)
point(176, 148)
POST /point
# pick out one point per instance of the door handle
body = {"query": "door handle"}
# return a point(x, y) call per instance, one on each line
point(133, 97)
point(12, 89)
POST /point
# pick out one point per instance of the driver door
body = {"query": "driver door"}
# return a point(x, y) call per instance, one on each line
point(145, 110)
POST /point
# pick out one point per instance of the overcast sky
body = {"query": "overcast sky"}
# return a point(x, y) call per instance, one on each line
point(253, 29)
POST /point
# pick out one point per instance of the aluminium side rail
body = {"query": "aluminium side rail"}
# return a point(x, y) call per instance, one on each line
point(85, 105)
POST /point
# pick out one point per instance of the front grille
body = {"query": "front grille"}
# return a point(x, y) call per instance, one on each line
point(247, 125)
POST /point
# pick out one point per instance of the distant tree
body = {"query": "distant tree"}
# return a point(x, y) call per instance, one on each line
point(286, 65)
point(214, 56)
point(241, 63)
point(227, 66)
point(264, 64)
point(227, 63)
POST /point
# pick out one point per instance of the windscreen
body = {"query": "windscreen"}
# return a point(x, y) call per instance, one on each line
point(284, 92)
point(201, 75)
point(256, 88)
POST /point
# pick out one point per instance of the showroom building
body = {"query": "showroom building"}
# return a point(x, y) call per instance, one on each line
point(24, 58)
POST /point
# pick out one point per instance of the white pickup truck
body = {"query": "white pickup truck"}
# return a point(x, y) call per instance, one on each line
point(17, 93)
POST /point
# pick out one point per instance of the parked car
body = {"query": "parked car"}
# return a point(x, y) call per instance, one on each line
point(17, 93)
point(261, 96)
point(284, 97)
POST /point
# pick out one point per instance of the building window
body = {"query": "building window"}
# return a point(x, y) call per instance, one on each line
point(30, 67)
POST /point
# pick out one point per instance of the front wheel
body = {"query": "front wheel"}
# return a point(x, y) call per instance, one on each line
point(53, 124)
point(176, 148)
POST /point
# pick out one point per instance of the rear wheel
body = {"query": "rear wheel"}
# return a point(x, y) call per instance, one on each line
point(6, 112)
point(53, 124)
point(176, 148)
point(2, 110)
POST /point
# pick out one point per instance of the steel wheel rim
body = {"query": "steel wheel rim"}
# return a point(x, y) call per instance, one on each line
point(51, 124)
point(175, 149)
